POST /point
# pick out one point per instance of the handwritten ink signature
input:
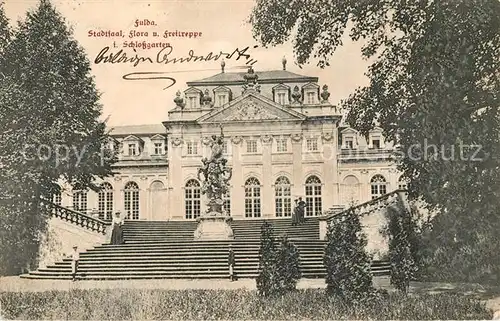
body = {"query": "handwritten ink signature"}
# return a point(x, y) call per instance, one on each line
point(163, 56)
point(150, 75)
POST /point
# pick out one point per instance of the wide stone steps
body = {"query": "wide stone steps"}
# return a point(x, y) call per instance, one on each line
point(166, 250)
point(244, 229)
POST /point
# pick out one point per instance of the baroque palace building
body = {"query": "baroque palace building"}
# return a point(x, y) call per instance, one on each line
point(283, 140)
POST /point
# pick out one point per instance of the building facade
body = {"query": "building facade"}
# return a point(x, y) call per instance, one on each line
point(283, 140)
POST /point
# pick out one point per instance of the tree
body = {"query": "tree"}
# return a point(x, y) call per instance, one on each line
point(267, 282)
point(279, 266)
point(50, 125)
point(401, 254)
point(5, 31)
point(347, 263)
point(287, 265)
point(434, 84)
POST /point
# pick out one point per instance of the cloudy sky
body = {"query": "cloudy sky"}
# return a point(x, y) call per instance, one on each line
point(223, 27)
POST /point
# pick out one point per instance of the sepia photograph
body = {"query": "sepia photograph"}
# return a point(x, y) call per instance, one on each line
point(249, 160)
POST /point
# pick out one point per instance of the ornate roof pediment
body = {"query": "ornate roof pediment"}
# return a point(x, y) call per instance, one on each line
point(251, 107)
point(281, 86)
point(376, 130)
point(222, 89)
point(310, 85)
point(132, 138)
point(349, 130)
point(192, 90)
point(158, 137)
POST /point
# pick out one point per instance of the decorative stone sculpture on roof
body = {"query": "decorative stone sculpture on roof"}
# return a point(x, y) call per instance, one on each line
point(251, 77)
point(325, 94)
point(178, 99)
point(296, 95)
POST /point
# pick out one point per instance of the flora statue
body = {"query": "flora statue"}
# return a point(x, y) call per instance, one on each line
point(215, 176)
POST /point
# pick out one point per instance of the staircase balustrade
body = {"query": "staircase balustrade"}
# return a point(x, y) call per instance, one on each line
point(91, 223)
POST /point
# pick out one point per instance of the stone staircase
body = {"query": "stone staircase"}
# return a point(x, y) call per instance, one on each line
point(160, 231)
point(166, 250)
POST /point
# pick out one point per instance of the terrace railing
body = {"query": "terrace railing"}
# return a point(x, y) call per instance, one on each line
point(88, 222)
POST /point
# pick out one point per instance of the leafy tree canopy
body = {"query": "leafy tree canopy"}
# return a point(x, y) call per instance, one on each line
point(434, 84)
point(49, 108)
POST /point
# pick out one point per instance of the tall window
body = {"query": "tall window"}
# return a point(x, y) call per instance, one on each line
point(57, 199)
point(310, 97)
point(192, 148)
point(192, 199)
point(80, 201)
point(283, 197)
point(252, 197)
point(378, 186)
point(221, 99)
point(402, 183)
point(192, 102)
point(313, 196)
point(281, 98)
point(251, 146)
point(312, 144)
point(281, 145)
point(349, 142)
point(227, 203)
point(105, 202)
point(225, 149)
point(132, 201)
point(132, 150)
point(158, 148)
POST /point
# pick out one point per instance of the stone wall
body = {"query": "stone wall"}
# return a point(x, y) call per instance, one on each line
point(60, 238)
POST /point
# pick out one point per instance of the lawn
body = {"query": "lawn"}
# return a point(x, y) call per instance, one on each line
point(134, 304)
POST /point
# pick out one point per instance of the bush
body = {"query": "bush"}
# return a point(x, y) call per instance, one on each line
point(401, 254)
point(287, 265)
point(279, 267)
point(347, 264)
point(267, 282)
point(21, 228)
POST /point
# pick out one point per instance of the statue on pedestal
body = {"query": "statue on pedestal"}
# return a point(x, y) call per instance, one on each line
point(214, 175)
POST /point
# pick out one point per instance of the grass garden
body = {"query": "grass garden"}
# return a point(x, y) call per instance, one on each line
point(230, 304)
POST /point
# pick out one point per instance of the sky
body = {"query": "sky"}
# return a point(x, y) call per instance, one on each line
point(223, 26)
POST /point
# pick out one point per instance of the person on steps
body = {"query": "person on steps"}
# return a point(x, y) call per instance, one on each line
point(295, 214)
point(301, 211)
point(117, 233)
point(231, 262)
point(75, 257)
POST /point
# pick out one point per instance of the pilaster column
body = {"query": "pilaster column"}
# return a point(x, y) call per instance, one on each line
point(176, 199)
point(237, 190)
point(267, 194)
point(298, 184)
point(144, 209)
point(330, 171)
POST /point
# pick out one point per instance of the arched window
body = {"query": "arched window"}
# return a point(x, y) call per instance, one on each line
point(378, 186)
point(402, 184)
point(105, 202)
point(192, 195)
point(350, 190)
point(132, 201)
point(313, 196)
point(283, 197)
point(252, 197)
point(80, 201)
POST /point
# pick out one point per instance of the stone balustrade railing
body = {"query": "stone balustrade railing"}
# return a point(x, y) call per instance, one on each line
point(91, 223)
point(395, 198)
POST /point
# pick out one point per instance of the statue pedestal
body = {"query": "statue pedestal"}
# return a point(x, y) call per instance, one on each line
point(213, 226)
